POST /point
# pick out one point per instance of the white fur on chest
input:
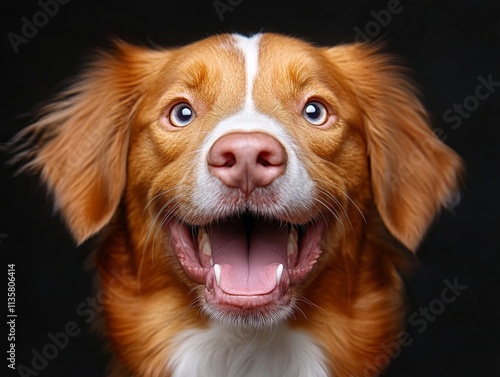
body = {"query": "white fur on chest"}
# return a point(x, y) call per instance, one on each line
point(217, 351)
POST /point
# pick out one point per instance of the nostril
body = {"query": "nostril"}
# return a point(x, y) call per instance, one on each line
point(229, 160)
point(263, 159)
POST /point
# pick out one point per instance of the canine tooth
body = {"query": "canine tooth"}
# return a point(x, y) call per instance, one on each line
point(279, 272)
point(290, 248)
point(211, 261)
point(217, 271)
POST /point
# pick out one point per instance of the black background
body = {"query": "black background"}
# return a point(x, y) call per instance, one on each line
point(448, 45)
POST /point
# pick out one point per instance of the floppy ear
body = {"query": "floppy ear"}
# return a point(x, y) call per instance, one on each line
point(413, 173)
point(80, 143)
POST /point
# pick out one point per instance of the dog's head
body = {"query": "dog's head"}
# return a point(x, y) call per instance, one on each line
point(239, 162)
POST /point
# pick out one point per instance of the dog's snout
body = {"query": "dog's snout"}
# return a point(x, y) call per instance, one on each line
point(247, 160)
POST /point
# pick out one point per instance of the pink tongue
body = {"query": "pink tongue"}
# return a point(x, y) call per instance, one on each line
point(248, 257)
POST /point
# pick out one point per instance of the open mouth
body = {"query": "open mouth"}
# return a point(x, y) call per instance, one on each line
point(245, 261)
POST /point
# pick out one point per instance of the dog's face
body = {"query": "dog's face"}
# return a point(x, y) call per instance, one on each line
point(242, 182)
point(242, 163)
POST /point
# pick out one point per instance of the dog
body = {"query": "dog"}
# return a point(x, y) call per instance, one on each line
point(254, 199)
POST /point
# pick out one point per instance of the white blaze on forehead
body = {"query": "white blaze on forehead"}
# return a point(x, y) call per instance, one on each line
point(250, 49)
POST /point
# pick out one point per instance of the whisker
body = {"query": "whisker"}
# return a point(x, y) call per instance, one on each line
point(337, 187)
point(274, 329)
point(337, 202)
point(150, 201)
point(298, 309)
point(311, 304)
point(154, 222)
point(355, 205)
point(332, 211)
point(167, 217)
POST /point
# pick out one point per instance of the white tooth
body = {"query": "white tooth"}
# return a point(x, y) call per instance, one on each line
point(204, 242)
point(211, 261)
point(279, 272)
point(290, 248)
point(217, 271)
point(203, 236)
point(207, 249)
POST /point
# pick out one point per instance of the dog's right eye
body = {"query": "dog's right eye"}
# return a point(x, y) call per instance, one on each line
point(181, 115)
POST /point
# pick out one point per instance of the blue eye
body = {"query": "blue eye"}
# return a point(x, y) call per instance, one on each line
point(181, 115)
point(315, 113)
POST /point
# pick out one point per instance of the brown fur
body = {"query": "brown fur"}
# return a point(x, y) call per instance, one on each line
point(110, 164)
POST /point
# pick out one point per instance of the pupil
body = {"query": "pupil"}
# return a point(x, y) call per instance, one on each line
point(312, 111)
point(185, 113)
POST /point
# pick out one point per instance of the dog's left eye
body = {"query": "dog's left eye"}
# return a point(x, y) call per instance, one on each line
point(181, 115)
point(315, 113)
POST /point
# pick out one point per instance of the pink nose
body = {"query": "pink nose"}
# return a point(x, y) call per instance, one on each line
point(247, 160)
